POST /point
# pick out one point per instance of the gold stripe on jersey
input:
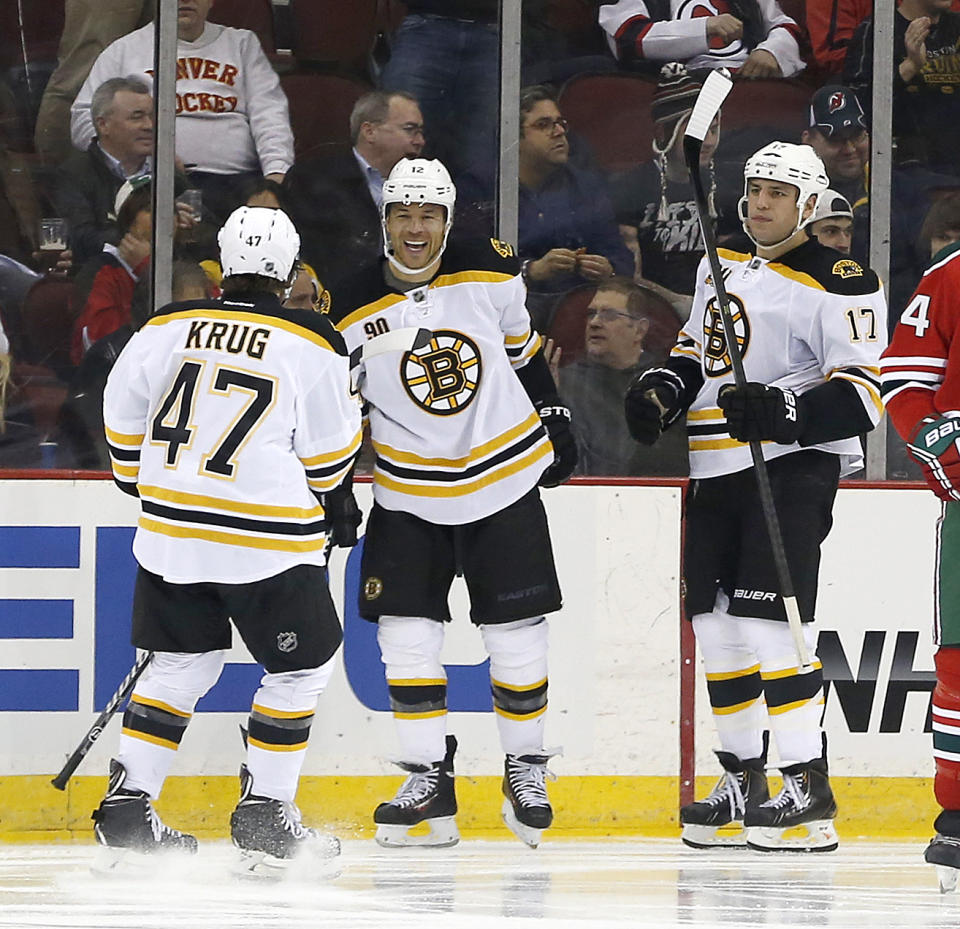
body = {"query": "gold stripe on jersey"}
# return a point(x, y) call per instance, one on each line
point(454, 489)
point(231, 506)
point(236, 316)
point(858, 378)
point(119, 438)
point(530, 424)
point(799, 276)
point(522, 348)
point(362, 312)
point(471, 277)
point(123, 470)
point(331, 457)
point(228, 538)
point(731, 255)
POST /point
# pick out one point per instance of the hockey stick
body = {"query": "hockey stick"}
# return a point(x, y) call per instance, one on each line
point(714, 91)
point(93, 733)
point(408, 339)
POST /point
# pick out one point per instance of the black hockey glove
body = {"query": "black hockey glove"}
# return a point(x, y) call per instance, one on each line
point(759, 412)
point(651, 403)
point(556, 418)
point(343, 516)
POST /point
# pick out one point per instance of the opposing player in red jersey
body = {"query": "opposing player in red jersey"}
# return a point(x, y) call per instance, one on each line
point(921, 389)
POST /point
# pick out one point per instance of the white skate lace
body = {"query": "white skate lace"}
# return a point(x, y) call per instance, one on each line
point(416, 788)
point(528, 781)
point(791, 794)
point(158, 827)
point(728, 791)
point(291, 821)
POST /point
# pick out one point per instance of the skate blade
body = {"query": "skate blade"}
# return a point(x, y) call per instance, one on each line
point(259, 866)
point(817, 836)
point(947, 878)
point(699, 836)
point(527, 834)
point(443, 834)
point(113, 862)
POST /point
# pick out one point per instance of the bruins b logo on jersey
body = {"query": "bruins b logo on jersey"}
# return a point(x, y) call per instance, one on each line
point(503, 249)
point(716, 356)
point(443, 376)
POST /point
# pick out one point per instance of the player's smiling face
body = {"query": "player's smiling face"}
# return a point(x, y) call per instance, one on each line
point(416, 233)
point(771, 210)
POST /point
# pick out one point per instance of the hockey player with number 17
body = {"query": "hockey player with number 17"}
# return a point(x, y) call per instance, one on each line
point(921, 389)
point(464, 428)
point(810, 324)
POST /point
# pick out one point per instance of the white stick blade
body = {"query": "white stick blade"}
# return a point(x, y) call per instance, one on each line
point(709, 100)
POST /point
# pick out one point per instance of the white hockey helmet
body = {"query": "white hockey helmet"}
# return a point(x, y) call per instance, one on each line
point(832, 205)
point(797, 165)
point(418, 181)
point(258, 240)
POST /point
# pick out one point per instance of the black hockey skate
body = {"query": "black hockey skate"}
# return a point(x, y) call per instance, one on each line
point(526, 807)
point(126, 821)
point(426, 796)
point(944, 850)
point(269, 832)
point(718, 818)
point(805, 800)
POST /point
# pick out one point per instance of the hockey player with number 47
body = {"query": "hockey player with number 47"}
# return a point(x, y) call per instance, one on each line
point(921, 390)
point(810, 324)
point(235, 423)
point(465, 427)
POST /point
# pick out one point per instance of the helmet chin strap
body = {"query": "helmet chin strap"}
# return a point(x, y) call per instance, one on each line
point(399, 265)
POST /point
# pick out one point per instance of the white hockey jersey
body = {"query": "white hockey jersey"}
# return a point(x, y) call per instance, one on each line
point(228, 419)
point(455, 434)
point(803, 319)
point(676, 30)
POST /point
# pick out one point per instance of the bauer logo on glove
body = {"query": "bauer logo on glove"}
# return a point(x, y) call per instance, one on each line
point(935, 449)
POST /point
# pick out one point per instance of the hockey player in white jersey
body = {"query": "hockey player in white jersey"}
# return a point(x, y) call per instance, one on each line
point(464, 429)
point(811, 324)
point(234, 422)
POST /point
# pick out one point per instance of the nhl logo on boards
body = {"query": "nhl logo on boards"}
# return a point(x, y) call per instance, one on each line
point(716, 357)
point(372, 588)
point(443, 376)
point(286, 641)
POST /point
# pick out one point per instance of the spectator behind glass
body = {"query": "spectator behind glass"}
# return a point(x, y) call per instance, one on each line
point(567, 230)
point(335, 198)
point(832, 222)
point(926, 82)
point(80, 438)
point(232, 121)
point(88, 28)
point(654, 202)
point(88, 182)
point(617, 326)
point(831, 24)
point(764, 42)
point(307, 293)
point(19, 437)
point(446, 53)
point(941, 226)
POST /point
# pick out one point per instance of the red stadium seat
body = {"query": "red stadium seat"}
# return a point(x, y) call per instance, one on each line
point(48, 317)
point(612, 112)
point(782, 104)
point(255, 15)
point(332, 32)
point(320, 106)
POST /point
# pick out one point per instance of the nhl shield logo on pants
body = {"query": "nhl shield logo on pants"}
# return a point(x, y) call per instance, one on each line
point(287, 641)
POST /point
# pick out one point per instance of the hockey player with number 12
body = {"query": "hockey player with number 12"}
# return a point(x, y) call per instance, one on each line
point(464, 429)
point(810, 324)
point(922, 395)
point(235, 423)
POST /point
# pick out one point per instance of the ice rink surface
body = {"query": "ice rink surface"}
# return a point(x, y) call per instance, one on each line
point(638, 883)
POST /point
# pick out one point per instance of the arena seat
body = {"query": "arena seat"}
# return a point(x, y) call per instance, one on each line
point(48, 317)
point(612, 112)
point(320, 106)
point(331, 33)
point(768, 102)
point(255, 15)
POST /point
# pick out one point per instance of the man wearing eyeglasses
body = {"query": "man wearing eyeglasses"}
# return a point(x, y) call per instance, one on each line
point(624, 325)
point(567, 230)
point(335, 198)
